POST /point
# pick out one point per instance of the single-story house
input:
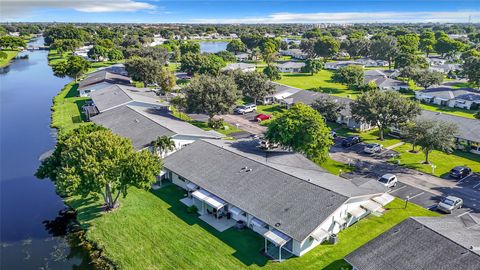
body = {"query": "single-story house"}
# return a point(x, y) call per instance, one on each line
point(281, 92)
point(291, 67)
point(100, 79)
point(83, 52)
point(116, 95)
point(436, 61)
point(291, 202)
point(465, 98)
point(468, 135)
point(142, 125)
point(345, 117)
point(295, 53)
point(116, 68)
point(338, 64)
point(385, 83)
point(242, 56)
point(240, 66)
point(445, 68)
point(423, 243)
point(367, 62)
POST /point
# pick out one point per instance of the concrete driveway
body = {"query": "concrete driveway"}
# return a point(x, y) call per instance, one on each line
point(244, 122)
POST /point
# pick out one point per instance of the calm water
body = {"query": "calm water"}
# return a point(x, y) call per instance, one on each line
point(213, 47)
point(30, 224)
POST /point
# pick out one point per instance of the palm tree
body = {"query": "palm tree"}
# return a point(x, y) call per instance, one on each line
point(162, 145)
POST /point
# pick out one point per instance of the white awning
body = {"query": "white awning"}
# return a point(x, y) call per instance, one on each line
point(320, 235)
point(209, 198)
point(371, 206)
point(277, 237)
point(191, 186)
point(356, 212)
point(384, 199)
point(257, 222)
point(235, 210)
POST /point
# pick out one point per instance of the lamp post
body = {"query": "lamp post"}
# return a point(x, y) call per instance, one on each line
point(406, 201)
point(433, 168)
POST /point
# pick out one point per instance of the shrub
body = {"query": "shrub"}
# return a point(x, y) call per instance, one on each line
point(192, 209)
point(215, 123)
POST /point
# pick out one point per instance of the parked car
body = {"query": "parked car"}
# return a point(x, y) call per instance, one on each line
point(245, 108)
point(372, 148)
point(265, 144)
point(262, 117)
point(389, 180)
point(350, 140)
point(450, 203)
point(460, 172)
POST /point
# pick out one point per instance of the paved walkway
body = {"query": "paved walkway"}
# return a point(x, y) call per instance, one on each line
point(244, 124)
point(395, 145)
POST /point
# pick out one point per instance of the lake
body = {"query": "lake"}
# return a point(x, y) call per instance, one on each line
point(213, 47)
point(31, 223)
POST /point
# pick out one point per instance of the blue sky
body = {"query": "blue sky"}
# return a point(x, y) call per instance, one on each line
point(236, 11)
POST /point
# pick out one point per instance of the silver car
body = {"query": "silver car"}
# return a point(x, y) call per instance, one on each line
point(449, 204)
point(372, 148)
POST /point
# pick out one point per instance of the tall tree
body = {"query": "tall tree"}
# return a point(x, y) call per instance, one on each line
point(312, 66)
point(272, 73)
point(162, 145)
point(384, 48)
point(471, 68)
point(326, 47)
point(269, 51)
point(166, 79)
point(74, 67)
point(189, 47)
point(328, 107)
point(98, 52)
point(384, 109)
point(195, 63)
point(145, 70)
point(254, 85)
point(448, 47)
point(66, 45)
point(411, 60)
point(426, 78)
point(352, 76)
point(435, 135)
point(427, 42)
point(92, 161)
point(235, 46)
point(211, 95)
point(308, 46)
point(115, 55)
point(408, 43)
point(301, 129)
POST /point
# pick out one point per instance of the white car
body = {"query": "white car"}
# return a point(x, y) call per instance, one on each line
point(372, 148)
point(245, 109)
point(389, 180)
point(449, 204)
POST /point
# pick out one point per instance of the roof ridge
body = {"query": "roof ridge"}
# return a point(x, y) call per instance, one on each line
point(146, 116)
point(289, 174)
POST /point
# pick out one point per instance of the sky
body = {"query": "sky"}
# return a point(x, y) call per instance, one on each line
point(240, 11)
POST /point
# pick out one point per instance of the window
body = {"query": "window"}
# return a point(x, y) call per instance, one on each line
point(181, 178)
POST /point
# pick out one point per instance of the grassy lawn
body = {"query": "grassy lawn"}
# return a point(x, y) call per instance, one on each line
point(444, 162)
point(321, 82)
point(447, 110)
point(203, 125)
point(67, 109)
point(335, 167)
point(153, 230)
point(10, 55)
point(370, 136)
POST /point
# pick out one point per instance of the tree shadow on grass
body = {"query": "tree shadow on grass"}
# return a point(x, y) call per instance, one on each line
point(72, 92)
point(246, 243)
point(87, 209)
point(81, 117)
point(338, 265)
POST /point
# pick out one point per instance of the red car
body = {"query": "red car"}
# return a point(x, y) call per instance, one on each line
point(262, 117)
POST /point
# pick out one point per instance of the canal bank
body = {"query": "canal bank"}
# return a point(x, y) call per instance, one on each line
point(34, 225)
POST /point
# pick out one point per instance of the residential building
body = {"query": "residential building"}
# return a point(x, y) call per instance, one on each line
point(295, 53)
point(116, 95)
point(468, 135)
point(383, 81)
point(367, 62)
point(240, 66)
point(465, 98)
point(100, 79)
point(334, 65)
point(445, 68)
point(289, 200)
point(242, 56)
point(281, 92)
point(291, 67)
point(423, 243)
point(83, 52)
point(142, 125)
point(116, 68)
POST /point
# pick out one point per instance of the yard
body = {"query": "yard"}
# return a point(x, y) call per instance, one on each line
point(321, 82)
point(444, 162)
point(448, 110)
point(67, 109)
point(204, 125)
point(153, 230)
point(369, 136)
point(10, 55)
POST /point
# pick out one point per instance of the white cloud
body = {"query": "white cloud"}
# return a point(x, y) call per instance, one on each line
point(354, 17)
point(13, 9)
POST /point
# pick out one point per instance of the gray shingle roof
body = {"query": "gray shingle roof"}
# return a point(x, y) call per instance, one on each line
point(126, 122)
point(415, 244)
point(117, 95)
point(451, 93)
point(269, 191)
point(468, 129)
point(103, 76)
point(291, 65)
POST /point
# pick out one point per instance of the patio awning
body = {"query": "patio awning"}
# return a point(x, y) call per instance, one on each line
point(235, 211)
point(257, 222)
point(356, 212)
point(209, 198)
point(371, 205)
point(191, 186)
point(384, 199)
point(277, 237)
point(320, 235)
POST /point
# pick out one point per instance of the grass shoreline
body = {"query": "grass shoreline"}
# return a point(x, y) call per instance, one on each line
point(11, 54)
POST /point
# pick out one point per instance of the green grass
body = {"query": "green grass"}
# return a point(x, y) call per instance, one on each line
point(335, 167)
point(204, 125)
point(369, 136)
point(463, 85)
point(10, 55)
point(321, 82)
point(444, 162)
point(67, 111)
point(447, 110)
point(153, 230)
